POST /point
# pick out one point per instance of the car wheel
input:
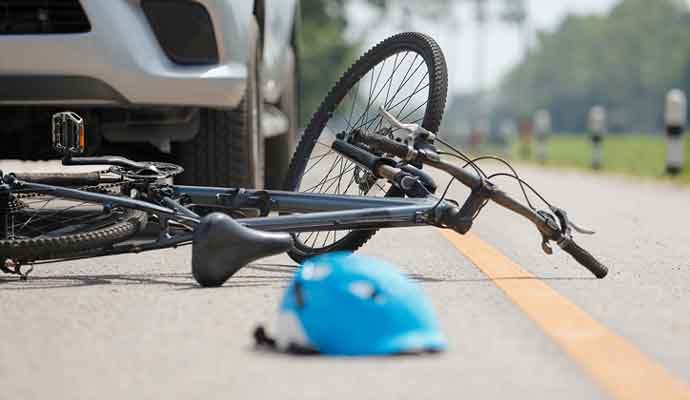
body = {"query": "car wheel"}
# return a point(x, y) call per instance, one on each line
point(229, 148)
point(279, 149)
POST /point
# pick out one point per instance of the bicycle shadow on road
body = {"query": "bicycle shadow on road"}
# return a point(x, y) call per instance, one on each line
point(268, 275)
point(254, 275)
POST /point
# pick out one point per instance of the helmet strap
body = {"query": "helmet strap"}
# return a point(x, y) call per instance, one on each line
point(262, 339)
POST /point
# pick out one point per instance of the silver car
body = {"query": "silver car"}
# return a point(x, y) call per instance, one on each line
point(211, 82)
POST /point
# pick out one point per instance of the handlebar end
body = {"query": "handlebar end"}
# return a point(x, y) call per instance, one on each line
point(584, 258)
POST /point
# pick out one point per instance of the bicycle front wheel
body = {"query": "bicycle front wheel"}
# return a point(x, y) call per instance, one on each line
point(407, 75)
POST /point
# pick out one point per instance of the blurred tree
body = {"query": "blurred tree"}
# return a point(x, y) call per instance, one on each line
point(626, 61)
point(324, 51)
point(432, 10)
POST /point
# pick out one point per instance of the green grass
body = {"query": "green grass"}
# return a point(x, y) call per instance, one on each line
point(631, 154)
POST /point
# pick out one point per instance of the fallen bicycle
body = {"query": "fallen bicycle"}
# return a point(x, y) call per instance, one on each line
point(359, 167)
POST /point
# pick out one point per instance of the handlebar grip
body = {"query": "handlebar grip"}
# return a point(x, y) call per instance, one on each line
point(387, 145)
point(358, 155)
point(584, 258)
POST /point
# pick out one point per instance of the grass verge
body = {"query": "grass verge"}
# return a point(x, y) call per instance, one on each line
point(631, 154)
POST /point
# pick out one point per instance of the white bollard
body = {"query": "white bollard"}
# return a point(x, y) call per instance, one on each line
point(507, 133)
point(542, 130)
point(675, 117)
point(597, 129)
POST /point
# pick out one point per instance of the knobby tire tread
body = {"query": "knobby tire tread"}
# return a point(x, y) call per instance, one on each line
point(438, 88)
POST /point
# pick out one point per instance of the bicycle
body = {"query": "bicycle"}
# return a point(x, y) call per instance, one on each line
point(376, 148)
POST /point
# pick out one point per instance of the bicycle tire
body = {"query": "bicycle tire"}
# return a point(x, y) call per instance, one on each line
point(125, 225)
point(433, 57)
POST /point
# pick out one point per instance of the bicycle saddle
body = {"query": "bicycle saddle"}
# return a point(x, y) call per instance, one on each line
point(222, 246)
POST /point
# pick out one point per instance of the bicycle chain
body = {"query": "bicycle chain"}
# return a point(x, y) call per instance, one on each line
point(102, 188)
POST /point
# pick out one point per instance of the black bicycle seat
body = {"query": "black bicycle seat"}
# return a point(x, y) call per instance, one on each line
point(222, 246)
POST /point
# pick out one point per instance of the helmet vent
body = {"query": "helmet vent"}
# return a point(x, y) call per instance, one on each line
point(299, 296)
point(315, 272)
point(364, 290)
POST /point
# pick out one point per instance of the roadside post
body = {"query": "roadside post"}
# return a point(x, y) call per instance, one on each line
point(525, 130)
point(507, 133)
point(475, 139)
point(597, 129)
point(675, 118)
point(480, 131)
point(542, 130)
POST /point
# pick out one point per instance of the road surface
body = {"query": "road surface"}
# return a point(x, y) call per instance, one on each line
point(137, 326)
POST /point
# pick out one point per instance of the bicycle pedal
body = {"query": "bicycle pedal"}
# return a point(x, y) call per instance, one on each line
point(68, 133)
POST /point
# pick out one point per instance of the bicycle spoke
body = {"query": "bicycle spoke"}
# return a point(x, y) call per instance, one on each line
point(400, 83)
point(316, 163)
point(366, 114)
point(43, 214)
point(50, 215)
point(390, 108)
point(327, 180)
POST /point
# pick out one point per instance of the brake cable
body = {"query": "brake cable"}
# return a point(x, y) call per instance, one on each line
point(522, 181)
point(473, 162)
point(462, 156)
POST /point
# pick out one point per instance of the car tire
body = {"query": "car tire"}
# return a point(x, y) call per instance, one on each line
point(229, 148)
point(279, 149)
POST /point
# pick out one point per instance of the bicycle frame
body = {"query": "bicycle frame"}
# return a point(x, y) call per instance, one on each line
point(311, 211)
point(320, 211)
point(304, 212)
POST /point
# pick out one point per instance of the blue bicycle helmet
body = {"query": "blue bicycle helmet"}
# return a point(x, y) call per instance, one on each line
point(344, 304)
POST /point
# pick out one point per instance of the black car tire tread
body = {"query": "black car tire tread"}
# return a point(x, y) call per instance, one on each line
point(219, 155)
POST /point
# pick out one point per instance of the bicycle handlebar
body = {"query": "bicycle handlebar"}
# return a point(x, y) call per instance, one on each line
point(584, 258)
point(386, 145)
point(548, 230)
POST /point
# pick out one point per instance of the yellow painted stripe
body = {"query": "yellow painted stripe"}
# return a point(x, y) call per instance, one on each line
point(619, 366)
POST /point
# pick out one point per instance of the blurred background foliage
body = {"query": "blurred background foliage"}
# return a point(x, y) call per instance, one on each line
point(626, 61)
point(324, 51)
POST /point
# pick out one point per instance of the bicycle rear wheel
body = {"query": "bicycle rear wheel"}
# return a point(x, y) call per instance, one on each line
point(407, 75)
point(41, 226)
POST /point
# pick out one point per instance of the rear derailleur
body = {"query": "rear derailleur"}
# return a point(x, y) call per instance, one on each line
point(10, 205)
point(14, 267)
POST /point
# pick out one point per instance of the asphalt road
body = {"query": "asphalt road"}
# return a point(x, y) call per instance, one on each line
point(137, 326)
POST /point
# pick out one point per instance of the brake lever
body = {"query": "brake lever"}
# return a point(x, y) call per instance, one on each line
point(414, 130)
point(567, 224)
point(580, 229)
point(553, 224)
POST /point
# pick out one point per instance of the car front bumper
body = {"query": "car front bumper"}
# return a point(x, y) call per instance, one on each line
point(120, 62)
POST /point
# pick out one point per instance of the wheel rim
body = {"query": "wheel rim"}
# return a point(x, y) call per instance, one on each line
point(399, 82)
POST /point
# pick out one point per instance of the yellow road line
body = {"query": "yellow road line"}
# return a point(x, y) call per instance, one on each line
point(619, 366)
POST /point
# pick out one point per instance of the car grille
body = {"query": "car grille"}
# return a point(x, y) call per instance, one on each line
point(21, 17)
